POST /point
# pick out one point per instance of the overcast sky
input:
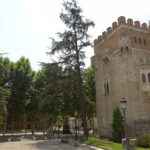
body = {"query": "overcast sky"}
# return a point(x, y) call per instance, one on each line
point(26, 25)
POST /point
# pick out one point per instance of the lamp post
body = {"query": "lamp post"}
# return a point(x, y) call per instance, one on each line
point(123, 106)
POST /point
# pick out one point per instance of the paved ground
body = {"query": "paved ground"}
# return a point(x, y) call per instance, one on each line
point(39, 145)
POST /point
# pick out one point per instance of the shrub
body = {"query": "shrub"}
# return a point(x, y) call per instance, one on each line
point(144, 140)
point(117, 125)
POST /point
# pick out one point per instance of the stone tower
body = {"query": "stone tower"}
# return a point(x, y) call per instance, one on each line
point(122, 61)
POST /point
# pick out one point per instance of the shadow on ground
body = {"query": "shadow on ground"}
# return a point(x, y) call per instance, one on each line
point(54, 145)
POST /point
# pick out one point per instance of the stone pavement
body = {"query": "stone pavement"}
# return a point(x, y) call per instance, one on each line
point(40, 145)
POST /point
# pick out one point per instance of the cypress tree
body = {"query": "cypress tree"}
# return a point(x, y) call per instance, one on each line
point(117, 125)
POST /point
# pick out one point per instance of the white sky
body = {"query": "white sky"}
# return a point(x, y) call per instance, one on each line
point(26, 25)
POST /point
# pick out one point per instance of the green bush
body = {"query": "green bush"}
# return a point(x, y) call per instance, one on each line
point(107, 145)
point(144, 141)
point(117, 125)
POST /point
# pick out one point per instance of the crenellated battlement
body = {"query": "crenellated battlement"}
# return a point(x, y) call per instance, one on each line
point(129, 23)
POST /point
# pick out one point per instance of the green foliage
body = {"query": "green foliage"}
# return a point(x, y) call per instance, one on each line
point(57, 90)
point(70, 51)
point(15, 91)
point(90, 91)
point(56, 84)
point(75, 37)
point(89, 83)
point(5, 67)
point(52, 89)
point(21, 77)
point(144, 140)
point(2, 116)
point(117, 125)
point(106, 144)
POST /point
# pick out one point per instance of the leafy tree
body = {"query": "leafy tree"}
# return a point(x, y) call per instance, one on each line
point(117, 125)
point(90, 91)
point(4, 89)
point(70, 48)
point(21, 78)
point(52, 89)
point(46, 99)
point(55, 101)
point(32, 108)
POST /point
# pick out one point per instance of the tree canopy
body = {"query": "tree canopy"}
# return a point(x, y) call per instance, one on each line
point(70, 49)
point(59, 90)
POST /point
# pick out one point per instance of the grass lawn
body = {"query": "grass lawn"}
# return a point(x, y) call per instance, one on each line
point(107, 145)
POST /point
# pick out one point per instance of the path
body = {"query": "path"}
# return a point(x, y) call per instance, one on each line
point(39, 145)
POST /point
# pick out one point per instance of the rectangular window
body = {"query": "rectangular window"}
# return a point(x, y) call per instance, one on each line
point(144, 42)
point(135, 40)
point(106, 88)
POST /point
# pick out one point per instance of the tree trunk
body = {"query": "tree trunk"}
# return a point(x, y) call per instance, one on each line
point(80, 88)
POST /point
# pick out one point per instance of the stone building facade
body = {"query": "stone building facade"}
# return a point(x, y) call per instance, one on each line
point(122, 62)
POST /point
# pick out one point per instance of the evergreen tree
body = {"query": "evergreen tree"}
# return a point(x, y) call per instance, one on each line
point(117, 125)
point(70, 48)
point(21, 80)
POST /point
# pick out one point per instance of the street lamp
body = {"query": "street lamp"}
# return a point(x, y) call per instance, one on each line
point(123, 106)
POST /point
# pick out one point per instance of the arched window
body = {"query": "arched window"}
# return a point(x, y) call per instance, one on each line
point(148, 77)
point(106, 88)
point(127, 49)
point(140, 41)
point(143, 78)
point(105, 91)
point(106, 60)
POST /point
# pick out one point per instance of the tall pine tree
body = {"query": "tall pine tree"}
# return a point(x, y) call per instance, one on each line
point(70, 48)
